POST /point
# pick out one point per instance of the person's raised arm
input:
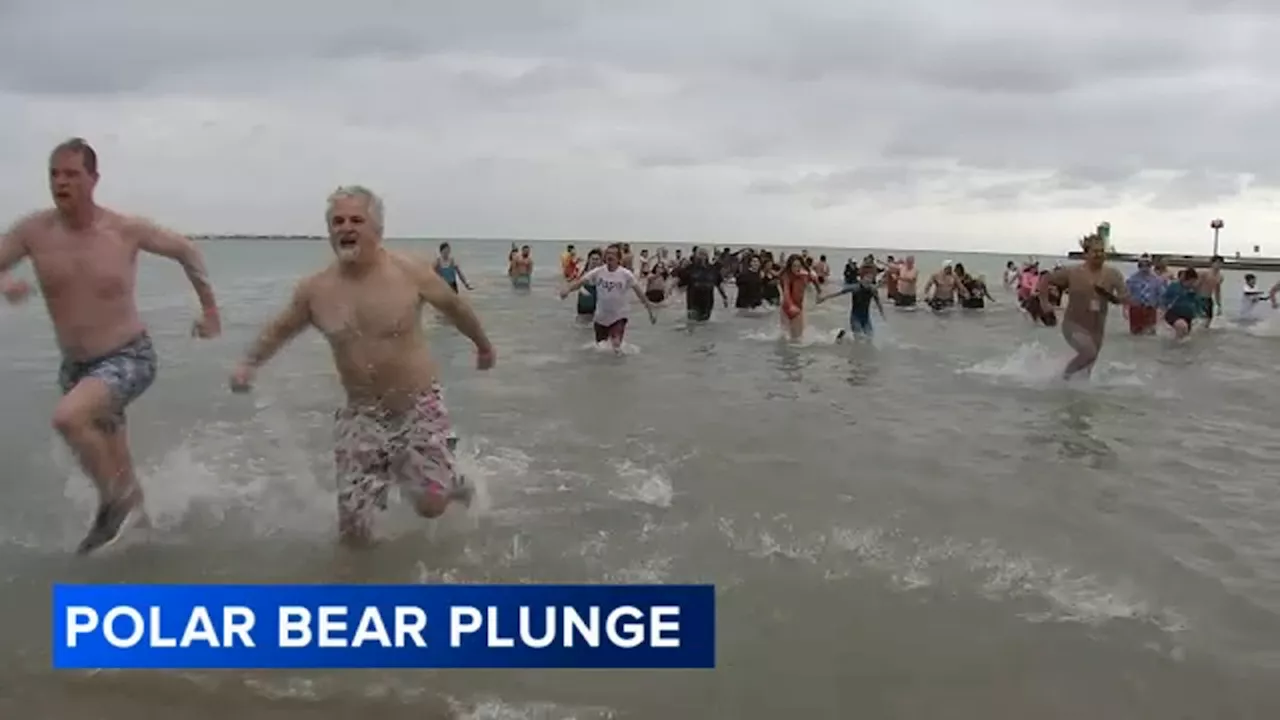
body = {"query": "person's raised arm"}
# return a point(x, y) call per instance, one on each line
point(842, 291)
point(285, 326)
point(166, 243)
point(13, 248)
point(577, 283)
point(433, 289)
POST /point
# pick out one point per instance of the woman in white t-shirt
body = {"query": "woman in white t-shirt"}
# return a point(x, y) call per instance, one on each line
point(612, 283)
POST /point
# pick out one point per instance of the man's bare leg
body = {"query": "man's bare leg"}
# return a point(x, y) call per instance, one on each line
point(1086, 349)
point(100, 443)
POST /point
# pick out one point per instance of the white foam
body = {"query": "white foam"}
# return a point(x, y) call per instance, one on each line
point(1032, 364)
point(605, 347)
point(494, 709)
point(649, 485)
point(262, 476)
point(813, 335)
point(1065, 594)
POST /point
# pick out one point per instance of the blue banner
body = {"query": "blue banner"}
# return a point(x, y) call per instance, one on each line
point(383, 626)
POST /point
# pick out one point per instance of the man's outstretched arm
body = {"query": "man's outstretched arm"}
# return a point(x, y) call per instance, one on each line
point(163, 242)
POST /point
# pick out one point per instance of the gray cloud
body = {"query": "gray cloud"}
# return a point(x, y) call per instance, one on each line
point(779, 107)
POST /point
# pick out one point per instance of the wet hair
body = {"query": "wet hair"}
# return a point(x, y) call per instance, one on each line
point(372, 202)
point(1092, 240)
point(791, 260)
point(960, 269)
point(1250, 277)
point(81, 147)
point(444, 246)
point(1189, 274)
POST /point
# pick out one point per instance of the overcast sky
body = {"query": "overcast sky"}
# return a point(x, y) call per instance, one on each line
point(996, 124)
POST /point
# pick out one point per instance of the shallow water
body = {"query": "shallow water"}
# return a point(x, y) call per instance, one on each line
point(927, 526)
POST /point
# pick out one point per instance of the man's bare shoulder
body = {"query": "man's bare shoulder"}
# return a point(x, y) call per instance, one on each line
point(417, 266)
point(33, 224)
point(131, 224)
point(316, 283)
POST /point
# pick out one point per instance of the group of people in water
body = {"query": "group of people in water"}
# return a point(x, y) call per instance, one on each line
point(394, 428)
point(606, 277)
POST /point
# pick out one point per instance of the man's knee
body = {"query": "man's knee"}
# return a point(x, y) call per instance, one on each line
point(72, 416)
point(71, 419)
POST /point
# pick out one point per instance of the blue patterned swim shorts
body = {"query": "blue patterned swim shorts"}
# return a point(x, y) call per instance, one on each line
point(128, 371)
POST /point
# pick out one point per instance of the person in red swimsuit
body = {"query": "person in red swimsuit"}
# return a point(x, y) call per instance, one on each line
point(793, 282)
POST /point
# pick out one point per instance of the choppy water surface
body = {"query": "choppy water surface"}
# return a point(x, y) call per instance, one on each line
point(929, 527)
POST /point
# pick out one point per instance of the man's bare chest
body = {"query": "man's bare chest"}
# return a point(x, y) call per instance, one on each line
point(346, 316)
point(101, 264)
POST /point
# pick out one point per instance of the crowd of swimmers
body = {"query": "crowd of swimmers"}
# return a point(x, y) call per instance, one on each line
point(606, 277)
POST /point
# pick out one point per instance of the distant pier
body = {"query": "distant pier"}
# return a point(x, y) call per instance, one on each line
point(1197, 261)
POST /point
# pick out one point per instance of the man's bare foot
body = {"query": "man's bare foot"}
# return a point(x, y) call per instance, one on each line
point(112, 520)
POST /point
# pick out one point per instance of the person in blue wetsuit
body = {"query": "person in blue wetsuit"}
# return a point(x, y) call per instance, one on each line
point(861, 293)
point(448, 269)
point(587, 293)
point(1182, 302)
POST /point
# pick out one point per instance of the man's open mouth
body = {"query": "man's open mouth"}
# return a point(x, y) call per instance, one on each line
point(347, 243)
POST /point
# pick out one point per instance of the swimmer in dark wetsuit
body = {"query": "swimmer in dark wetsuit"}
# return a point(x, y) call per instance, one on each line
point(769, 291)
point(448, 269)
point(750, 285)
point(861, 294)
point(701, 280)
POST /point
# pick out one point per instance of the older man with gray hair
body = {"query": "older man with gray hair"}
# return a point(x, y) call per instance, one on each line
point(394, 427)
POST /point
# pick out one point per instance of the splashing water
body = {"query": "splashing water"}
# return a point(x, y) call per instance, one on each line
point(1031, 364)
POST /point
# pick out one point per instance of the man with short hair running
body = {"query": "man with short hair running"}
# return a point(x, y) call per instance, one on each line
point(85, 258)
point(1091, 287)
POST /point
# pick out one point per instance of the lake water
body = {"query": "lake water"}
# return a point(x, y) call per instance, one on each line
point(932, 526)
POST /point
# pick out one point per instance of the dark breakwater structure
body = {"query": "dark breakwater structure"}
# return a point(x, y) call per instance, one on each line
point(1235, 262)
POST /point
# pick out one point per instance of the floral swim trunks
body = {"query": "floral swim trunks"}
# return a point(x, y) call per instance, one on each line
point(374, 448)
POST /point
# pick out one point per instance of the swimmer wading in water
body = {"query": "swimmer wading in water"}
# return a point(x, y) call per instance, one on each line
point(394, 427)
point(85, 259)
point(613, 283)
point(1090, 287)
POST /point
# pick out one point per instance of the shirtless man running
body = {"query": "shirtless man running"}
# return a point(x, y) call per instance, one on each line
point(368, 305)
point(1210, 290)
point(85, 259)
point(1090, 287)
point(906, 278)
point(940, 291)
